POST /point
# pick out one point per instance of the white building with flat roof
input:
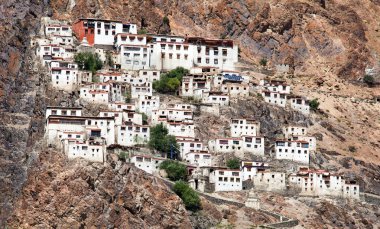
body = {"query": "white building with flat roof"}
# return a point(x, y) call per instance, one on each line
point(219, 98)
point(293, 150)
point(142, 90)
point(120, 106)
point(250, 168)
point(171, 114)
point(300, 104)
point(130, 134)
point(58, 30)
point(323, 183)
point(235, 90)
point(199, 158)
point(181, 129)
point(64, 75)
point(194, 86)
point(64, 111)
point(147, 163)
point(187, 145)
point(89, 150)
point(240, 127)
point(227, 180)
point(150, 75)
point(269, 181)
point(147, 104)
point(294, 130)
point(250, 144)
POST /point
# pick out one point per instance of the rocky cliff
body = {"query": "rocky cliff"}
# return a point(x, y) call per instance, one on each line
point(79, 194)
point(314, 37)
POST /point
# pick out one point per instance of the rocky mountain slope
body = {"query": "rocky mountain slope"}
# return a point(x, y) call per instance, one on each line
point(313, 36)
point(78, 194)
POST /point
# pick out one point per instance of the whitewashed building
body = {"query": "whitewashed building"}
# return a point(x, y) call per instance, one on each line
point(57, 29)
point(63, 111)
point(250, 168)
point(219, 98)
point(235, 90)
point(199, 158)
point(240, 127)
point(147, 163)
point(131, 134)
point(187, 145)
point(227, 180)
point(64, 75)
point(195, 86)
point(90, 150)
point(269, 181)
point(321, 183)
point(146, 104)
point(251, 144)
point(171, 114)
point(181, 129)
point(294, 130)
point(120, 106)
point(300, 104)
point(292, 150)
point(142, 90)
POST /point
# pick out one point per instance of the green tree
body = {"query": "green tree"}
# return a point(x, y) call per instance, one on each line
point(170, 81)
point(165, 20)
point(109, 60)
point(160, 140)
point(142, 31)
point(175, 170)
point(123, 156)
point(263, 62)
point(233, 163)
point(189, 197)
point(314, 104)
point(88, 61)
point(369, 80)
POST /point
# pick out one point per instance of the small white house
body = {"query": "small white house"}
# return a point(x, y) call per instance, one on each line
point(240, 127)
point(142, 90)
point(94, 95)
point(219, 98)
point(171, 114)
point(101, 127)
point(269, 181)
point(146, 104)
point(56, 29)
point(131, 134)
point(195, 86)
point(275, 98)
point(150, 75)
point(254, 145)
point(94, 151)
point(235, 90)
point(64, 75)
point(147, 163)
point(227, 180)
point(199, 158)
point(250, 168)
point(121, 106)
point(181, 129)
point(187, 145)
point(292, 150)
point(300, 104)
point(294, 130)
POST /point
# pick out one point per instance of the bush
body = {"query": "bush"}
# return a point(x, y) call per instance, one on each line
point(189, 197)
point(352, 149)
point(175, 170)
point(123, 156)
point(142, 31)
point(314, 104)
point(233, 163)
point(170, 81)
point(369, 80)
point(88, 61)
point(263, 62)
point(160, 140)
point(165, 20)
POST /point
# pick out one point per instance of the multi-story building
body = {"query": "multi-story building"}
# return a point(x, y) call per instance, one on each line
point(227, 180)
point(321, 183)
point(142, 90)
point(219, 98)
point(91, 150)
point(250, 144)
point(275, 92)
point(171, 114)
point(235, 90)
point(249, 169)
point(149, 75)
point(181, 129)
point(292, 150)
point(294, 130)
point(48, 52)
point(64, 75)
point(194, 86)
point(63, 111)
point(56, 29)
point(101, 31)
point(120, 106)
point(187, 145)
point(130, 134)
point(240, 127)
point(199, 158)
point(269, 181)
point(146, 104)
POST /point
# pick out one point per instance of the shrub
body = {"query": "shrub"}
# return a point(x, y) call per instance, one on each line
point(352, 149)
point(170, 81)
point(160, 140)
point(175, 170)
point(369, 80)
point(314, 104)
point(165, 20)
point(142, 31)
point(189, 197)
point(233, 163)
point(109, 60)
point(263, 62)
point(88, 61)
point(123, 156)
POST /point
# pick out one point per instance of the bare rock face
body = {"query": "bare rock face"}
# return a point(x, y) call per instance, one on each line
point(79, 194)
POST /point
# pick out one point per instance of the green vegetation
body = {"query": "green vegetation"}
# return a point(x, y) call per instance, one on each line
point(142, 31)
point(314, 104)
point(233, 163)
point(170, 81)
point(144, 118)
point(95, 79)
point(189, 197)
point(128, 96)
point(160, 140)
point(263, 62)
point(109, 60)
point(175, 170)
point(369, 80)
point(88, 61)
point(123, 156)
point(165, 20)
